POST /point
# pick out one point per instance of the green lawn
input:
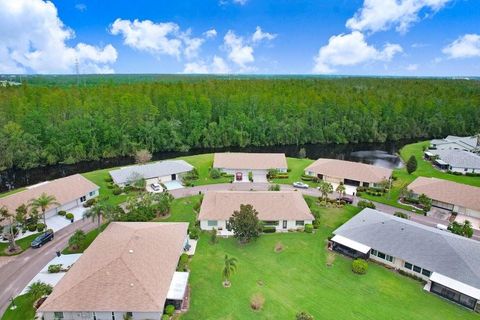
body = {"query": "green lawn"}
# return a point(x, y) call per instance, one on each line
point(99, 178)
point(203, 163)
point(182, 210)
point(89, 237)
point(297, 168)
point(24, 310)
point(297, 279)
point(24, 243)
point(4, 194)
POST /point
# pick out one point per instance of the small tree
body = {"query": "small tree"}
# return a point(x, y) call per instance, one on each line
point(229, 268)
point(77, 240)
point(302, 153)
point(39, 289)
point(272, 173)
point(245, 223)
point(411, 164)
point(325, 188)
point(213, 236)
point(98, 211)
point(304, 316)
point(43, 202)
point(341, 189)
point(215, 173)
point(21, 214)
point(142, 156)
point(426, 203)
point(6, 215)
point(462, 229)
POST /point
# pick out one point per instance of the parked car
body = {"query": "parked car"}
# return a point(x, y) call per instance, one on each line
point(42, 239)
point(155, 186)
point(346, 199)
point(300, 185)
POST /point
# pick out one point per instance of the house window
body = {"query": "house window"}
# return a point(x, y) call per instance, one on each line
point(389, 258)
point(94, 316)
point(58, 315)
point(83, 199)
point(417, 269)
point(373, 252)
point(408, 265)
point(92, 193)
point(426, 272)
point(299, 223)
point(113, 315)
point(212, 223)
point(381, 255)
point(129, 314)
point(271, 223)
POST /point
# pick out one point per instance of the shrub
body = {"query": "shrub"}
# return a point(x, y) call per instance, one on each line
point(308, 228)
point(401, 215)
point(116, 191)
point(108, 179)
point(32, 227)
point(366, 204)
point(304, 316)
point(169, 310)
point(215, 173)
point(62, 212)
point(183, 262)
point(90, 202)
point(250, 176)
point(359, 266)
point(268, 229)
point(55, 268)
point(306, 178)
point(213, 236)
point(316, 223)
point(69, 216)
point(257, 301)
point(274, 187)
point(40, 227)
point(165, 317)
point(194, 233)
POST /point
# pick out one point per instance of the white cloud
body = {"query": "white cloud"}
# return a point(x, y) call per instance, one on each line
point(466, 46)
point(238, 52)
point(412, 67)
point(259, 35)
point(212, 33)
point(380, 15)
point(240, 2)
point(218, 65)
point(81, 7)
point(351, 49)
point(33, 39)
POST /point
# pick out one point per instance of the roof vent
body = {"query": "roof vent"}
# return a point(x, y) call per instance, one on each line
point(131, 284)
point(130, 251)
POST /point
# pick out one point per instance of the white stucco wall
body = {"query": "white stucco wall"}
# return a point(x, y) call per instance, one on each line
point(291, 224)
point(398, 264)
point(72, 204)
point(462, 170)
point(104, 315)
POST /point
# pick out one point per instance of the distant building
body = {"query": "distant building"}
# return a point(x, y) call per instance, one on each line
point(454, 160)
point(348, 172)
point(70, 192)
point(243, 163)
point(448, 262)
point(449, 195)
point(129, 270)
point(281, 209)
point(470, 144)
point(155, 172)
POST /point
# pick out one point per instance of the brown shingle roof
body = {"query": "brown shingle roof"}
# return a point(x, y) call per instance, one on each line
point(271, 205)
point(129, 267)
point(65, 190)
point(349, 170)
point(245, 161)
point(447, 191)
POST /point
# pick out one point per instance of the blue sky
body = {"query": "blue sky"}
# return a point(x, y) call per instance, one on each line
point(371, 37)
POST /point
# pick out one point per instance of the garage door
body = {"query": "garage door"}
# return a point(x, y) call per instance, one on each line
point(442, 205)
point(354, 183)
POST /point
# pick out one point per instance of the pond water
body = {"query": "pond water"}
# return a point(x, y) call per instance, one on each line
point(381, 154)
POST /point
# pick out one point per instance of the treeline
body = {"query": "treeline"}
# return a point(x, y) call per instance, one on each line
point(41, 125)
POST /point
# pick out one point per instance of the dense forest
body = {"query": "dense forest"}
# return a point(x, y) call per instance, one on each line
point(43, 124)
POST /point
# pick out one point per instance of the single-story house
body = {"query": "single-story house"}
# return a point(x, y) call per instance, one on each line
point(470, 144)
point(282, 209)
point(129, 270)
point(348, 172)
point(70, 192)
point(155, 172)
point(449, 195)
point(447, 262)
point(454, 160)
point(257, 163)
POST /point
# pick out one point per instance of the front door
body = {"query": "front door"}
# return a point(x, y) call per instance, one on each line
point(284, 224)
point(174, 177)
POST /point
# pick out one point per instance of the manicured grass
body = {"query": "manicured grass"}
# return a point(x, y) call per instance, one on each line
point(99, 177)
point(24, 310)
point(4, 194)
point(297, 168)
point(297, 279)
point(23, 243)
point(203, 163)
point(182, 210)
point(89, 237)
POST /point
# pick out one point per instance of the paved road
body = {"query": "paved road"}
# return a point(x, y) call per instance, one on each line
point(19, 270)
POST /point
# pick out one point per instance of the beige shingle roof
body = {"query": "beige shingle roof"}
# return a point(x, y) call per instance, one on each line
point(349, 170)
point(129, 267)
point(65, 190)
point(245, 161)
point(271, 205)
point(447, 191)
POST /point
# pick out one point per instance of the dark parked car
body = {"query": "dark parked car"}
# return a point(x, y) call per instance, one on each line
point(346, 199)
point(42, 239)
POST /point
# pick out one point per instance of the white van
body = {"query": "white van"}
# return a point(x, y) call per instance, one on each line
point(442, 227)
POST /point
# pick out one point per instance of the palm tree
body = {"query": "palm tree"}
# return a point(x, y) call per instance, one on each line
point(229, 268)
point(341, 189)
point(98, 211)
point(6, 215)
point(39, 289)
point(325, 189)
point(77, 240)
point(43, 202)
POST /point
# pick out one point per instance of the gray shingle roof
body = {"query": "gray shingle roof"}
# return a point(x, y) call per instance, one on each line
point(150, 170)
point(467, 143)
point(458, 158)
point(436, 250)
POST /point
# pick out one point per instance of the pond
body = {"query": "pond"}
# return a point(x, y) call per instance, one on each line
point(381, 154)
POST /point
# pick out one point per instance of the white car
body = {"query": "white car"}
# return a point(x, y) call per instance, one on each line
point(155, 186)
point(300, 185)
